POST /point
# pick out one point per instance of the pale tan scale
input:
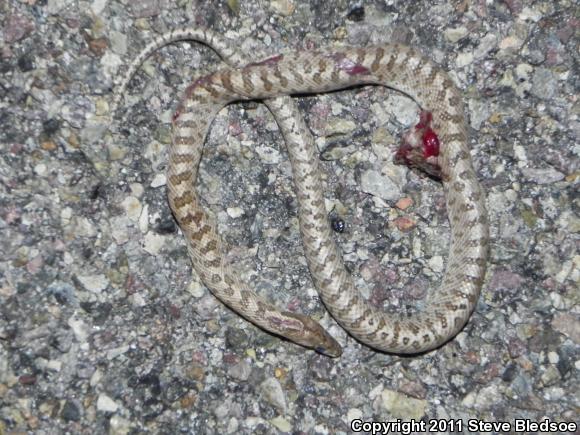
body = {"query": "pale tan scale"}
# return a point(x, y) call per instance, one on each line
point(446, 309)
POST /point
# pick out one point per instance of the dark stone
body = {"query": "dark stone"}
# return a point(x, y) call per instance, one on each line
point(356, 14)
point(96, 192)
point(23, 287)
point(25, 63)
point(70, 411)
point(166, 226)
point(151, 380)
point(102, 313)
point(236, 339)
point(566, 362)
point(509, 373)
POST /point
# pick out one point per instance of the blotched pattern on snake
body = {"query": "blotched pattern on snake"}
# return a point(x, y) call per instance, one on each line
point(437, 145)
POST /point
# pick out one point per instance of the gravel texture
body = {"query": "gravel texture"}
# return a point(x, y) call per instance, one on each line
point(103, 328)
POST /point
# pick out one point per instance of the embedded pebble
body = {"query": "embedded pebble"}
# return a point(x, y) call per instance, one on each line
point(568, 324)
point(132, 207)
point(83, 227)
point(542, 176)
point(40, 169)
point(118, 42)
point(94, 283)
point(436, 263)
point(464, 59)
point(402, 406)
point(404, 223)
point(530, 13)
point(454, 34)
point(377, 184)
point(281, 424)
point(485, 45)
point(17, 27)
point(235, 212)
point(153, 243)
point(106, 404)
point(79, 328)
point(97, 6)
point(544, 83)
point(120, 425)
point(145, 8)
point(282, 7)
point(339, 126)
point(144, 219)
point(196, 289)
point(70, 411)
point(483, 398)
point(158, 181)
point(240, 371)
point(119, 230)
point(268, 154)
point(271, 391)
point(404, 203)
point(400, 106)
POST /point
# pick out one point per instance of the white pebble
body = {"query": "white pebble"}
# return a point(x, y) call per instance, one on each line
point(436, 263)
point(235, 212)
point(557, 301)
point(354, 414)
point(137, 189)
point(132, 207)
point(153, 243)
point(40, 169)
point(106, 404)
point(282, 7)
point(553, 357)
point(159, 180)
point(79, 328)
point(144, 219)
point(268, 155)
point(94, 283)
point(196, 289)
point(281, 424)
point(98, 6)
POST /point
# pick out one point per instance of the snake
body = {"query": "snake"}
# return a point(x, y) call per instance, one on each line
point(437, 145)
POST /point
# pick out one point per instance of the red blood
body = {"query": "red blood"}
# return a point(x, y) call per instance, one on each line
point(419, 145)
point(430, 143)
point(425, 119)
point(429, 138)
point(349, 66)
point(189, 92)
point(357, 69)
point(200, 81)
point(402, 154)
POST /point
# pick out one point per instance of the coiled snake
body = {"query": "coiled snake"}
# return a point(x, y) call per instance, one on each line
point(437, 145)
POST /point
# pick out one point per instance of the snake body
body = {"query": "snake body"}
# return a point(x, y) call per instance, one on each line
point(447, 309)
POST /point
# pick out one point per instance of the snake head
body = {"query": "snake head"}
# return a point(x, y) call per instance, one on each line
point(312, 335)
point(420, 147)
